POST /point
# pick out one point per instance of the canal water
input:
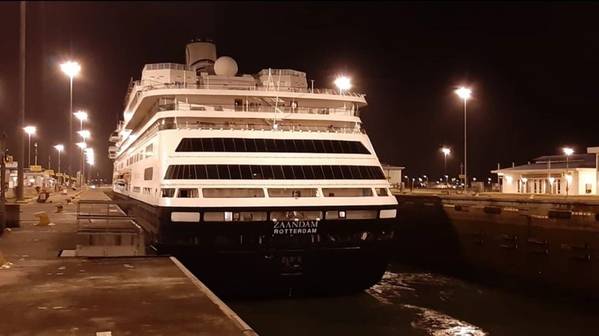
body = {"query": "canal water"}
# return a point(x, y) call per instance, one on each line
point(413, 302)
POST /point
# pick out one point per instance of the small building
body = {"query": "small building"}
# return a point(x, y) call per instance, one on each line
point(553, 174)
point(393, 175)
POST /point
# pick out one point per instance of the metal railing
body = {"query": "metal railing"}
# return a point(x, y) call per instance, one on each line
point(139, 86)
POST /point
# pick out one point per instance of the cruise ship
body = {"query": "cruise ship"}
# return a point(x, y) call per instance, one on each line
point(253, 180)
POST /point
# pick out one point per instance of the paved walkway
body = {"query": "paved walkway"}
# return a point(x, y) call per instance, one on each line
point(43, 294)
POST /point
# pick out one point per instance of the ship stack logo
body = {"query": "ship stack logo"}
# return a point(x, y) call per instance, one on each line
point(295, 227)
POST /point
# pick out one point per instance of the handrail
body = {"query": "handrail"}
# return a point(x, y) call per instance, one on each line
point(140, 86)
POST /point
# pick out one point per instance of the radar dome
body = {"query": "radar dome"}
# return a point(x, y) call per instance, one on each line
point(225, 66)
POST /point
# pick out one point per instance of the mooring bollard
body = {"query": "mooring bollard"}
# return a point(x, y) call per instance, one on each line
point(43, 218)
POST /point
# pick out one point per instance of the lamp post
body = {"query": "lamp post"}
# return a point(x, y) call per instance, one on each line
point(71, 69)
point(465, 94)
point(446, 151)
point(85, 134)
point(30, 130)
point(568, 151)
point(35, 152)
point(59, 148)
point(81, 116)
point(82, 146)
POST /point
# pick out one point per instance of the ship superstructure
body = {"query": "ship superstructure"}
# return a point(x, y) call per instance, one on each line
point(263, 167)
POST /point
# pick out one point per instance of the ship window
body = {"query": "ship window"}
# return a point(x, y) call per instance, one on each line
point(328, 172)
point(219, 145)
point(308, 173)
point(149, 150)
point(300, 146)
point(355, 172)
point(347, 192)
point(187, 193)
point(318, 173)
point(292, 215)
point(229, 145)
point(200, 172)
point(232, 192)
point(136, 189)
point(364, 172)
point(246, 172)
point(148, 173)
point(260, 145)
point(267, 172)
point(278, 172)
point(212, 172)
point(361, 214)
point(269, 145)
point(235, 172)
point(291, 147)
point(382, 192)
point(292, 192)
point(337, 174)
point(256, 172)
point(328, 148)
point(260, 172)
point(168, 192)
point(288, 173)
point(207, 144)
point(214, 216)
point(335, 214)
point(252, 216)
point(223, 172)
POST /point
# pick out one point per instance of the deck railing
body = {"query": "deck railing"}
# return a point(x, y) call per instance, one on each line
point(138, 87)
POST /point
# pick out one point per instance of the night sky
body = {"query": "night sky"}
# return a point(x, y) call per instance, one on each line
point(534, 69)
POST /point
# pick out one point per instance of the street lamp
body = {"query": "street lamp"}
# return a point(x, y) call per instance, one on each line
point(568, 151)
point(85, 134)
point(71, 69)
point(59, 149)
point(82, 146)
point(446, 151)
point(465, 94)
point(30, 130)
point(90, 158)
point(82, 116)
point(343, 83)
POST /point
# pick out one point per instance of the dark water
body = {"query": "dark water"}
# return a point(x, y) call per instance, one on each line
point(412, 302)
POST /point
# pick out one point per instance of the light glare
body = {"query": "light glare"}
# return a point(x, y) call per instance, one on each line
point(343, 83)
point(85, 134)
point(464, 93)
point(81, 115)
point(70, 68)
point(59, 148)
point(446, 150)
point(30, 130)
point(568, 151)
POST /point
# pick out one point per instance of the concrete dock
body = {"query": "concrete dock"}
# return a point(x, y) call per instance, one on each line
point(44, 294)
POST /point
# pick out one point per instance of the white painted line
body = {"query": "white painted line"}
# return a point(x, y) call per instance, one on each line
point(104, 333)
point(245, 328)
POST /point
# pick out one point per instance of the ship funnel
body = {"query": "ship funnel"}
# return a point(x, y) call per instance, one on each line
point(200, 56)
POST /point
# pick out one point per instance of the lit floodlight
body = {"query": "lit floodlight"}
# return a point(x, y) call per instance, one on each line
point(59, 148)
point(446, 150)
point(464, 93)
point(81, 115)
point(85, 134)
point(343, 83)
point(568, 151)
point(70, 68)
point(30, 130)
point(82, 145)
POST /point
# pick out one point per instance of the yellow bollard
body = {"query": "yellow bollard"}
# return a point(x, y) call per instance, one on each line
point(43, 218)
